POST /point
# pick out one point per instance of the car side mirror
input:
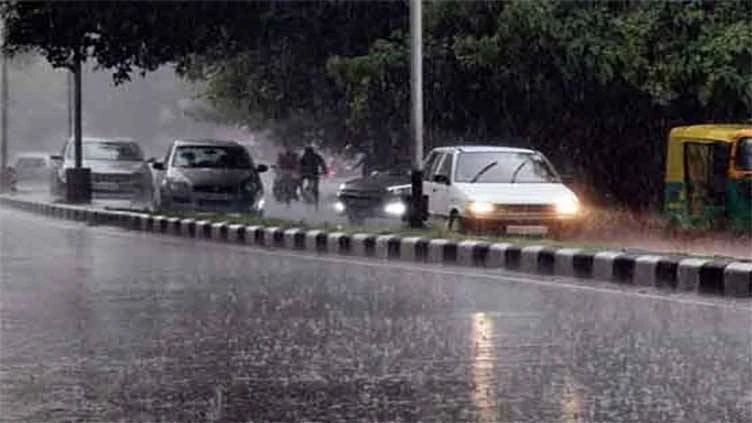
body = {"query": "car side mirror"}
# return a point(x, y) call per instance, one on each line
point(157, 166)
point(441, 179)
point(262, 168)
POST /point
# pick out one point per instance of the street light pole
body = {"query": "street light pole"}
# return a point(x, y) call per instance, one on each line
point(4, 175)
point(416, 100)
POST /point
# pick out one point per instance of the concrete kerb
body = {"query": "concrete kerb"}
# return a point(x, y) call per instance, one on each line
point(737, 279)
point(702, 275)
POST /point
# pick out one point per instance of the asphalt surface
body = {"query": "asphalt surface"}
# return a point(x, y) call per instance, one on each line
point(104, 325)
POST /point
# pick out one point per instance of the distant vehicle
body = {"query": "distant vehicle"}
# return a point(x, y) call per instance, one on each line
point(382, 194)
point(208, 175)
point(118, 168)
point(491, 186)
point(33, 166)
point(709, 176)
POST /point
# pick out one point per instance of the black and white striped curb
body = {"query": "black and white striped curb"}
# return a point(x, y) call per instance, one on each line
point(707, 276)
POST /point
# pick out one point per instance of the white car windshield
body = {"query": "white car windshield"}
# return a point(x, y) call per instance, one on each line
point(110, 151)
point(219, 157)
point(504, 167)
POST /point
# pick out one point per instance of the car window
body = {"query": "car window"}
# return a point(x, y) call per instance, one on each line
point(744, 154)
point(108, 151)
point(219, 157)
point(30, 162)
point(430, 164)
point(445, 166)
point(504, 167)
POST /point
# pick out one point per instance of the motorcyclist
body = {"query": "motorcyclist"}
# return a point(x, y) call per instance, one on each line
point(287, 171)
point(312, 166)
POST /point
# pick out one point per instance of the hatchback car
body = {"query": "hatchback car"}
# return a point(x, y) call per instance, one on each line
point(475, 186)
point(208, 175)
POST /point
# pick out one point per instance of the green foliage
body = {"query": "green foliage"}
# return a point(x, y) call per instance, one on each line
point(120, 35)
point(595, 85)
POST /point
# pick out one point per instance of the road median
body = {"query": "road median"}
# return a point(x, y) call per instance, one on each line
point(703, 275)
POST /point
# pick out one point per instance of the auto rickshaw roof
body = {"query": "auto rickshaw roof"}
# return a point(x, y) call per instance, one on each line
point(716, 132)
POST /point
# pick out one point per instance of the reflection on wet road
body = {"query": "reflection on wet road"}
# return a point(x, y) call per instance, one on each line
point(100, 325)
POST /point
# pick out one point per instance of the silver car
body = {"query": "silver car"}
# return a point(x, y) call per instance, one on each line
point(118, 168)
point(208, 175)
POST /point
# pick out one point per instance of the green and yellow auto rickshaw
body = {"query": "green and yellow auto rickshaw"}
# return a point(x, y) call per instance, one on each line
point(709, 176)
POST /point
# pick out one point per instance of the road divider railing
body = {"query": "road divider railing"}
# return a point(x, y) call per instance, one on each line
point(724, 277)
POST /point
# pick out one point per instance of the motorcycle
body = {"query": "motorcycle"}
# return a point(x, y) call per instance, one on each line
point(285, 187)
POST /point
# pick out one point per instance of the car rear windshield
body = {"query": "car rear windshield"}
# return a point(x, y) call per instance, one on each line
point(222, 157)
point(30, 163)
point(111, 151)
point(504, 167)
point(744, 157)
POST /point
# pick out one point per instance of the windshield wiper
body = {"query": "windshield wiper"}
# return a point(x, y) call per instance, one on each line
point(519, 168)
point(485, 169)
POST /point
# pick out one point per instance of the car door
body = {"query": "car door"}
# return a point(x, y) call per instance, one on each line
point(441, 184)
point(429, 166)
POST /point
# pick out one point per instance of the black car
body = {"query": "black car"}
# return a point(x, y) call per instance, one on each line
point(382, 194)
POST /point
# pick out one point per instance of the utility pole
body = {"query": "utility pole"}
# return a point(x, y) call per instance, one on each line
point(78, 178)
point(416, 117)
point(69, 93)
point(4, 174)
point(77, 109)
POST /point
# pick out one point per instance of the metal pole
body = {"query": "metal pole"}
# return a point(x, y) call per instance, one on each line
point(77, 109)
point(4, 119)
point(69, 92)
point(416, 99)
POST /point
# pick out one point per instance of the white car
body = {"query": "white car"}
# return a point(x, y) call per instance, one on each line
point(475, 186)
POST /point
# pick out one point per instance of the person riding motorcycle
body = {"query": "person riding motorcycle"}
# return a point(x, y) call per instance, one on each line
point(312, 166)
point(287, 172)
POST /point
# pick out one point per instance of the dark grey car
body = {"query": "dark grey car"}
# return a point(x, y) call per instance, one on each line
point(208, 175)
point(382, 194)
point(118, 168)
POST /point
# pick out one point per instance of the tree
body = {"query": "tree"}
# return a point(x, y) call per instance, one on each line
point(596, 86)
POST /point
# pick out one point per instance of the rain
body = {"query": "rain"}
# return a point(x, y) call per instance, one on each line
point(615, 127)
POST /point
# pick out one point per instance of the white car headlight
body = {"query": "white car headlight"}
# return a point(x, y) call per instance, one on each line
point(396, 208)
point(568, 206)
point(480, 207)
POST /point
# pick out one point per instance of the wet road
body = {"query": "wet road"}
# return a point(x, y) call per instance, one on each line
point(100, 325)
point(296, 211)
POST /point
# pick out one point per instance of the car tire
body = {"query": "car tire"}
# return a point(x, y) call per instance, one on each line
point(561, 232)
point(356, 219)
point(460, 224)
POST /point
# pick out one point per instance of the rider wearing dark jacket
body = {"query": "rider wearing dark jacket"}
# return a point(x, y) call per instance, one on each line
point(312, 165)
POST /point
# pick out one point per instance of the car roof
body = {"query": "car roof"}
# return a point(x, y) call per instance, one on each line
point(34, 155)
point(716, 132)
point(206, 142)
point(483, 149)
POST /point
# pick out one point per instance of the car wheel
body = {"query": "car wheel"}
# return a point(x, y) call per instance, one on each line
point(560, 232)
point(356, 219)
point(459, 223)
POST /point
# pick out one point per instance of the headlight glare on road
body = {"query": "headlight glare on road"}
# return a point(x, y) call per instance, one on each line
point(396, 208)
point(480, 207)
point(568, 206)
